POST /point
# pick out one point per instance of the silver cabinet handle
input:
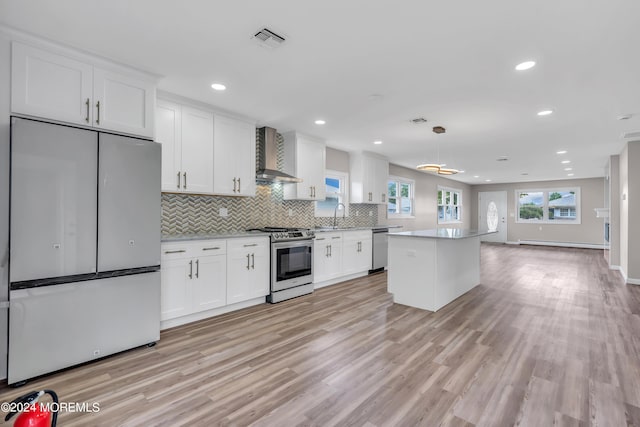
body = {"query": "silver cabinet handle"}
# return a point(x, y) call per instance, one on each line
point(335, 237)
point(248, 258)
point(197, 268)
point(319, 238)
point(98, 117)
point(370, 197)
point(178, 180)
point(330, 251)
point(326, 251)
point(211, 249)
point(253, 261)
point(238, 185)
point(234, 185)
point(191, 269)
point(175, 252)
point(86, 119)
point(310, 191)
point(184, 185)
point(251, 245)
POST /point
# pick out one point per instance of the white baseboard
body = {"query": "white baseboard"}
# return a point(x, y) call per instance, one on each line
point(615, 267)
point(340, 279)
point(628, 280)
point(178, 321)
point(561, 244)
point(512, 243)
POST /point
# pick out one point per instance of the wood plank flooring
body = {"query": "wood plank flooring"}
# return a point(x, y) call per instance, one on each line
point(550, 337)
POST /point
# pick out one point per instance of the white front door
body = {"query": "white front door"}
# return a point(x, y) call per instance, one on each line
point(492, 215)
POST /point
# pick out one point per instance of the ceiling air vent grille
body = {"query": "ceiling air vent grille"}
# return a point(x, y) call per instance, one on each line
point(631, 135)
point(268, 38)
point(419, 121)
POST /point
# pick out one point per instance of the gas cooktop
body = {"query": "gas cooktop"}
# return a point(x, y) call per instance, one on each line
point(280, 234)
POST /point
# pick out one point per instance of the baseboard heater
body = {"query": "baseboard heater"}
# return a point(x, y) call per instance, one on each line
point(560, 244)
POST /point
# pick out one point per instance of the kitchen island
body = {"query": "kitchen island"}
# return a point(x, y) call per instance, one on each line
point(430, 268)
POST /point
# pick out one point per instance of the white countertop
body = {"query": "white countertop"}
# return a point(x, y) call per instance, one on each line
point(443, 233)
point(211, 236)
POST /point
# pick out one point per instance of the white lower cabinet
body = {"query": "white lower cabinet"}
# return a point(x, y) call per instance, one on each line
point(248, 269)
point(357, 251)
point(339, 254)
point(203, 275)
point(193, 277)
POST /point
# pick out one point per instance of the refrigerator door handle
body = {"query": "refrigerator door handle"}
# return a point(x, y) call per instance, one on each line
point(191, 269)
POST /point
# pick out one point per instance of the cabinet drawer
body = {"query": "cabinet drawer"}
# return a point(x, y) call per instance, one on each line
point(357, 235)
point(209, 247)
point(176, 250)
point(328, 237)
point(252, 244)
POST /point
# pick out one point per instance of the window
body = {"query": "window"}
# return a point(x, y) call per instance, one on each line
point(336, 187)
point(400, 197)
point(449, 205)
point(553, 206)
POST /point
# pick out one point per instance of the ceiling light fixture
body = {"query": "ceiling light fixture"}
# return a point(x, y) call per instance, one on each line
point(564, 162)
point(218, 86)
point(320, 122)
point(377, 142)
point(525, 65)
point(438, 168)
point(568, 169)
point(569, 174)
point(545, 112)
point(487, 180)
point(561, 152)
point(476, 176)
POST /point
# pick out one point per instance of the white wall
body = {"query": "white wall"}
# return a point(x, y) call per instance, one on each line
point(630, 212)
point(614, 211)
point(426, 200)
point(590, 231)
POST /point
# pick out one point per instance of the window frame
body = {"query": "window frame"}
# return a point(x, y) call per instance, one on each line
point(343, 196)
point(566, 220)
point(459, 205)
point(398, 180)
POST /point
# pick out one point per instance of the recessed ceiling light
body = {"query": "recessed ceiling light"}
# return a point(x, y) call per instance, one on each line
point(218, 86)
point(545, 112)
point(569, 174)
point(561, 152)
point(564, 162)
point(461, 171)
point(487, 180)
point(525, 65)
point(568, 169)
point(320, 122)
point(377, 142)
point(476, 176)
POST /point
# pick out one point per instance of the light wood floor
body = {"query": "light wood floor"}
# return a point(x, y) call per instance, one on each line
point(550, 337)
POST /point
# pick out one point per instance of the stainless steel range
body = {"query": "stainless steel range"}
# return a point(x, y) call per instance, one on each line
point(291, 262)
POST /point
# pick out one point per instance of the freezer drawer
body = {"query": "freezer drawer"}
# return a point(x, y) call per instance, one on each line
point(54, 327)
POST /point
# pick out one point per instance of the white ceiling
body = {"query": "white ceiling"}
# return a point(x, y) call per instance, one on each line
point(451, 62)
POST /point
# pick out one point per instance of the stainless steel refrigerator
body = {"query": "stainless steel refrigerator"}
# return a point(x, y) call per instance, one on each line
point(84, 238)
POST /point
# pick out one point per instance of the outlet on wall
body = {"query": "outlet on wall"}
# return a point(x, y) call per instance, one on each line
point(290, 212)
point(370, 213)
point(223, 212)
point(357, 213)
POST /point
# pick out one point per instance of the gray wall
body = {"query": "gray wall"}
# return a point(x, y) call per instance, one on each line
point(630, 211)
point(614, 211)
point(5, 71)
point(590, 231)
point(426, 200)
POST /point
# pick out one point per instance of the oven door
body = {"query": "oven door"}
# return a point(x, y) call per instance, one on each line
point(291, 264)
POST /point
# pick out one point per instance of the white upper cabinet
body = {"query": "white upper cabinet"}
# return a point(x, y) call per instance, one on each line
point(59, 87)
point(369, 174)
point(304, 157)
point(234, 157)
point(186, 135)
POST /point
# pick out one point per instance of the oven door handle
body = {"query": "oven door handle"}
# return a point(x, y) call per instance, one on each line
point(294, 244)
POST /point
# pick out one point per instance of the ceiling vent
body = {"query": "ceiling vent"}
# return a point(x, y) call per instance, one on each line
point(631, 135)
point(502, 159)
point(267, 38)
point(419, 121)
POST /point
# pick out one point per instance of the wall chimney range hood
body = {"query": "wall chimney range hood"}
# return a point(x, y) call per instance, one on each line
point(268, 159)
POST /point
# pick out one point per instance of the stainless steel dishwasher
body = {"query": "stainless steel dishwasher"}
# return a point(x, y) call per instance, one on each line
point(380, 249)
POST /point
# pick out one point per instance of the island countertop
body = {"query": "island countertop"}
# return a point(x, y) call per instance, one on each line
point(443, 233)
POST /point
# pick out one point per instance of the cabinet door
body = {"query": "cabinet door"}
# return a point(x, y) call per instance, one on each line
point(197, 151)
point(247, 269)
point(310, 167)
point(51, 86)
point(380, 178)
point(175, 288)
point(234, 157)
point(169, 135)
point(320, 260)
point(209, 282)
point(122, 103)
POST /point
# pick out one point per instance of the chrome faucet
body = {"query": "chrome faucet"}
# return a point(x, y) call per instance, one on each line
point(335, 212)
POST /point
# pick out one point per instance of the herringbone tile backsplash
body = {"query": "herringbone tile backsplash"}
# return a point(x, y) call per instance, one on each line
point(188, 214)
